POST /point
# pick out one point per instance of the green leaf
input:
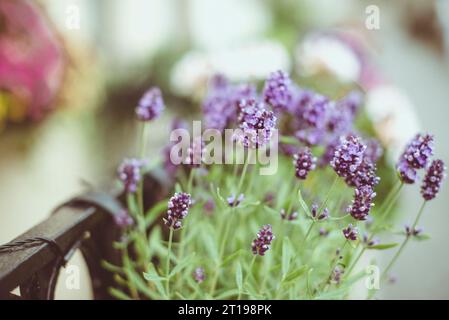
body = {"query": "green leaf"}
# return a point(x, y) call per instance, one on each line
point(239, 277)
point(288, 140)
point(152, 276)
point(421, 237)
point(110, 267)
point(181, 265)
point(303, 203)
point(154, 212)
point(118, 294)
point(232, 256)
point(227, 294)
point(286, 256)
point(383, 246)
point(293, 275)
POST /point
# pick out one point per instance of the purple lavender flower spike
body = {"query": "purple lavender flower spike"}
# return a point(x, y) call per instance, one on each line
point(178, 208)
point(277, 91)
point(233, 202)
point(304, 161)
point(150, 105)
point(263, 240)
point(350, 233)
point(199, 275)
point(362, 202)
point(123, 219)
point(407, 174)
point(433, 180)
point(365, 175)
point(256, 122)
point(129, 173)
point(315, 112)
point(418, 152)
point(337, 274)
point(348, 156)
point(324, 232)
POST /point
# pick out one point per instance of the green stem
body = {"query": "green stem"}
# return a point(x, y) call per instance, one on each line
point(309, 231)
point(167, 268)
point(334, 265)
point(247, 276)
point(329, 192)
point(404, 243)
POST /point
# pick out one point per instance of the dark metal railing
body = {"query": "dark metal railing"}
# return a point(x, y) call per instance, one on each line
point(32, 261)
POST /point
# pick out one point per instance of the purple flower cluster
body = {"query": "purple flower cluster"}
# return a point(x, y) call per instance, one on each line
point(370, 242)
point(304, 161)
point(123, 219)
point(221, 103)
point(362, 202)
point(233, 201)
point(199, 275)
point(324, 214)
point(256, 122)
point(433, 179)
point(415, 156)
point(129, 173)
point(288, 216)
point(150, 105)
point(277, 91)
point(264, 238)
point(178, 208)
point(350, 232)
point(412, 232)
point(364, 175)
point(348, 156)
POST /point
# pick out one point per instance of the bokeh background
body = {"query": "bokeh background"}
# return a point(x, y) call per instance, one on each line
point(71, 72)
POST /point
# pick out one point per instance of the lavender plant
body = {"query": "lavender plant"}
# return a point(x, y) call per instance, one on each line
point(319, 213)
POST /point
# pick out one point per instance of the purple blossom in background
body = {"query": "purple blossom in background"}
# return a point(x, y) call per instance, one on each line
point(409, 232)
point(178, 208)
point(220, 105)
point(269, 198)
point(351, 102)
point(315, 112)
point(150, 105)
point(433, 180)
point(288, 216)
point(373, 150)
point(337, 274)
point(257, 123)
point(123, 219)
point(348, 156)
point(209, 207)
point(323, 232)
point(304, 162)
point(199, 275)
point(368, 242)
point(329, 152)
point(350, 233)
point(195, 153)
point(129, 173)
point(233, 202)
point(277, 91)
point(362, 202)
point(324, 214)
point(263, 240)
